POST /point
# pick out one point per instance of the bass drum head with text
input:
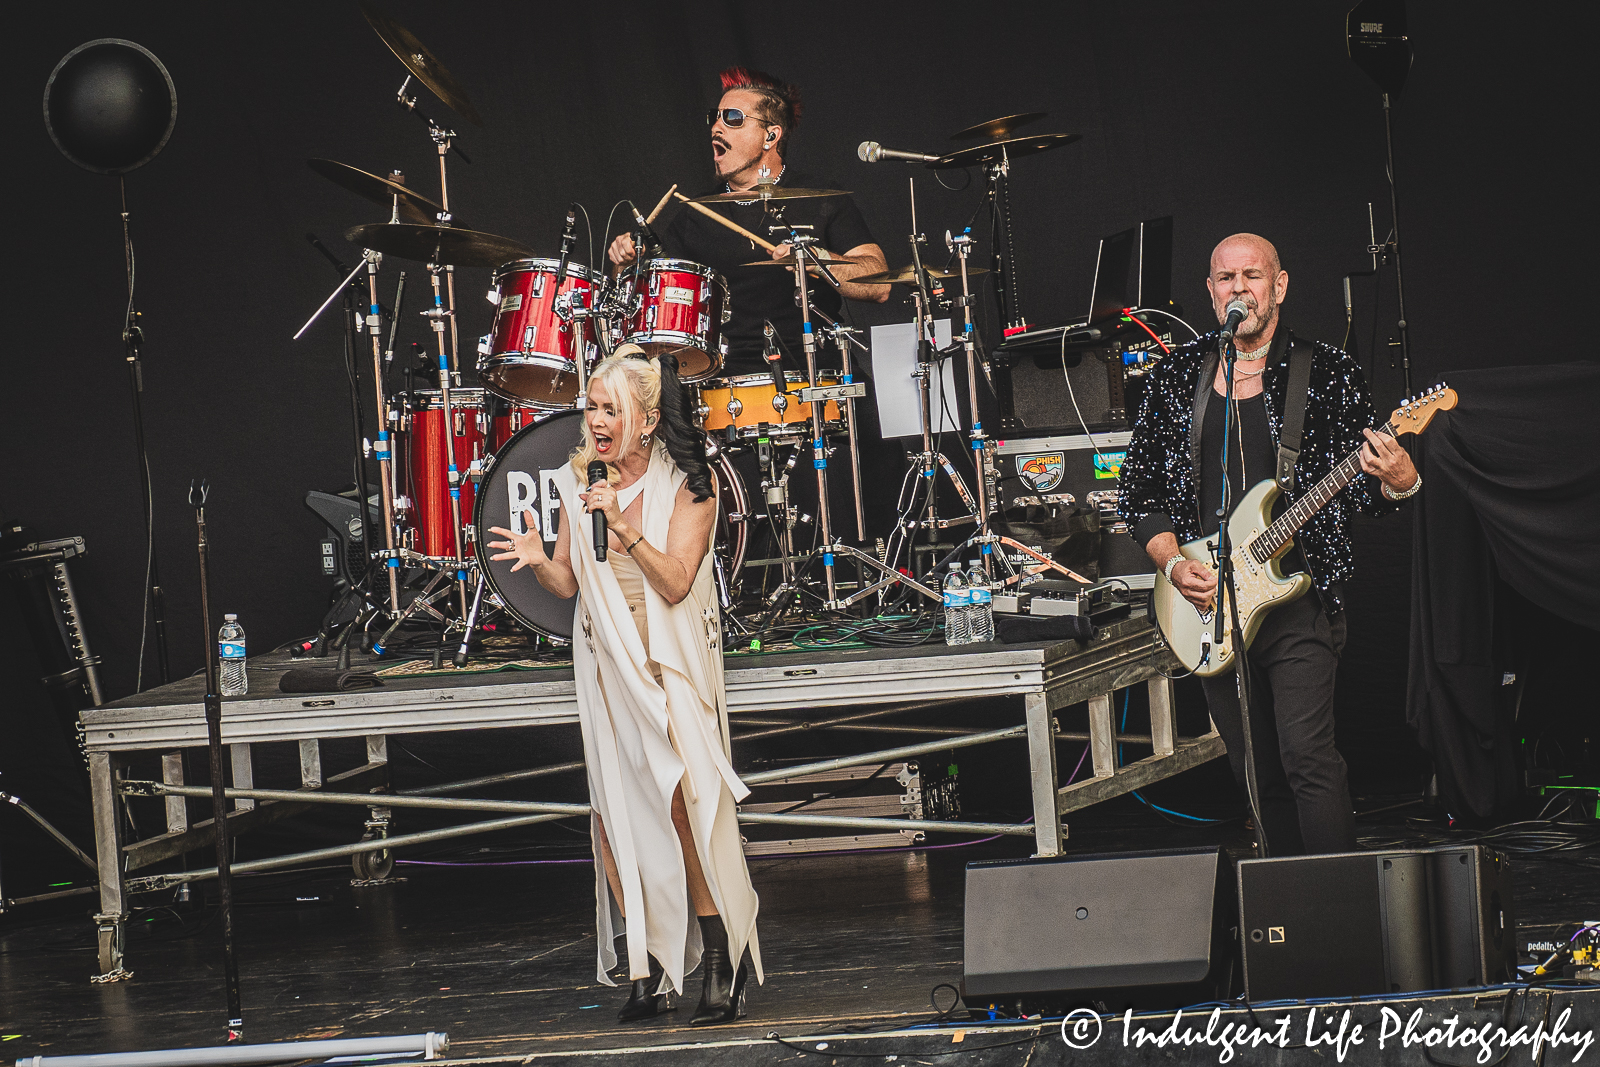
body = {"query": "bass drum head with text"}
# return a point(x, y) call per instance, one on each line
point(521, 477)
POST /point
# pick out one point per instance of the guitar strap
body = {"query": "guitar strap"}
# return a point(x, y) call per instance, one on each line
point(1294, 412)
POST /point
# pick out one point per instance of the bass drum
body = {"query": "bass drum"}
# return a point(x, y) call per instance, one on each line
point(521, 477)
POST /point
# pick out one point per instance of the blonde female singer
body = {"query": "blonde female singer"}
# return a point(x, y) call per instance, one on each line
point(647, 656)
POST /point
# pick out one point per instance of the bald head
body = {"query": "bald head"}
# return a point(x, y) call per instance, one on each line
point(1245, 267)
point(1247, 245)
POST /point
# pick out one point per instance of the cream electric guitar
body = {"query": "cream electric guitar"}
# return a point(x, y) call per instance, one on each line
point(1259, 543)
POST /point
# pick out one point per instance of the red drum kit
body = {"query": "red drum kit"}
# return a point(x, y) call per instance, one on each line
point(455, 459)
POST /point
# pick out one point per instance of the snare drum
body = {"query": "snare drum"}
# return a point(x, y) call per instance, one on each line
point(680, 308)
point(750, 405)
point(530, 355)
point(424, 469)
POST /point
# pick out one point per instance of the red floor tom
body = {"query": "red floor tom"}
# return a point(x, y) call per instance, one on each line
point(423, 474)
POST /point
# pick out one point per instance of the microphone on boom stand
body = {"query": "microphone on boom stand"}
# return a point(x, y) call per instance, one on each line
point(873, 152)
point(771, 354)
point(1236, 312)
point(567, 236)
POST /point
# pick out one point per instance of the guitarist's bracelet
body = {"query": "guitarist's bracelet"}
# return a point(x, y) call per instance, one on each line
point(1166, 572)
point(1397, 497)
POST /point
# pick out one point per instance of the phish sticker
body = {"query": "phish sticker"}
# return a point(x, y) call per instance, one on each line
point(1042, 471)
point(1108, 464)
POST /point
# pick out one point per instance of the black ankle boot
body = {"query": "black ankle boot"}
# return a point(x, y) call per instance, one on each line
point(643, 1001)
point(722, 997)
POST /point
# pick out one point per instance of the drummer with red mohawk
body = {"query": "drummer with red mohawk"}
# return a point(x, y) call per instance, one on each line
point(751, 130)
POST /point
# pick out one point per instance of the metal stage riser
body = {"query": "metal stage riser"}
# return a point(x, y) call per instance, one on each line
point(859, 689)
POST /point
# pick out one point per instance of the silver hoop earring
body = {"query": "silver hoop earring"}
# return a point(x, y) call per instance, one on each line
point(644, 440)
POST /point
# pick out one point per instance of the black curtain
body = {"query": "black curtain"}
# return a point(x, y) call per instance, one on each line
point(1511, 495)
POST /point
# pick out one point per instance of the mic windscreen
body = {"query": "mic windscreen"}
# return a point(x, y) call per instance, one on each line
point(597, 472)
point(867, 151)
point(1237, 306)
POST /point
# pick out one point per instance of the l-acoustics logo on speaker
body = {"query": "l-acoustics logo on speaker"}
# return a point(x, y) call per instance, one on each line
point(1042, 471)
point(1275, 935)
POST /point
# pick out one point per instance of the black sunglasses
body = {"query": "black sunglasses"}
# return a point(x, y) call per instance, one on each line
point(732, 117)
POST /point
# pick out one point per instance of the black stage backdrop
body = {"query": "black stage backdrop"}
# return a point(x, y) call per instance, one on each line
point(1226, 118)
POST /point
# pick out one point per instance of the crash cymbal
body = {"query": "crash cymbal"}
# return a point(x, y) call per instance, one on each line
point(997, 129)
point(420, 62)
point(906, 276)
point(776, 192)
point(414, 207)
point(788, 261)
point(1017, 146)
point(438, 244)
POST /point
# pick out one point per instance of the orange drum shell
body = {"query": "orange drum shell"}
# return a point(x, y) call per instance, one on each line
point(753, 395)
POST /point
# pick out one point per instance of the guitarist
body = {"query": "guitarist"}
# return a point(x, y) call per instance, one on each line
point(1172, 489)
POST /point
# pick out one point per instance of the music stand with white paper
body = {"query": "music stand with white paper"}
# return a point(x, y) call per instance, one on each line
point(894, 358)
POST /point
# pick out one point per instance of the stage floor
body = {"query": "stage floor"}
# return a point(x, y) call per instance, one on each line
point(502, 957)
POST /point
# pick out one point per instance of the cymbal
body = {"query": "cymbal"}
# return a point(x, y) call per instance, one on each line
point(788, 261)
point(423, 64)
point(378, 190)
point(777, 192)
point(1016, 146)
point(997, 129)
point(438, 244)
point(906, 276)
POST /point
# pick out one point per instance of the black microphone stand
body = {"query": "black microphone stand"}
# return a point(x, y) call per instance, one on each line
point(1227, 594)
point(132, 338)
point(219, 810)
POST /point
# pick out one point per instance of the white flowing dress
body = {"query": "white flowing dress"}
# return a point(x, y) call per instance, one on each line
point(653, 709)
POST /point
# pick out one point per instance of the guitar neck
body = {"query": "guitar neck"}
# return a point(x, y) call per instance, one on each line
point(1285, 526)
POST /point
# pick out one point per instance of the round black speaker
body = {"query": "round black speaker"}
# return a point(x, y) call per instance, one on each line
point(110, 106)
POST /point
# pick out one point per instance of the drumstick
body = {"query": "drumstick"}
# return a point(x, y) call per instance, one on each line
point(729, 223)
point(667, 196)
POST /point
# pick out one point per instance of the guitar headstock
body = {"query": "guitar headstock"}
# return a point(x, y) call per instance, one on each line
point(1413, 415)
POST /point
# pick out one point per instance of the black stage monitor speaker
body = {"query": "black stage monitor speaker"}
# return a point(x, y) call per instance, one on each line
point(1375, 922)
point(1139, 929)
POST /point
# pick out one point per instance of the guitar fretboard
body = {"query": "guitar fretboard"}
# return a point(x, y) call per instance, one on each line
point(1285, 526)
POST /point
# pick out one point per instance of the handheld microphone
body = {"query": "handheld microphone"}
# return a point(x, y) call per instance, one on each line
point(1237, 311)
point(873, 152)
point(566, 244)
point(645, 232)
point(597, 473)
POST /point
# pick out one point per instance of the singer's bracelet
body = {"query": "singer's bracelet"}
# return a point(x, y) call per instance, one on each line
point(1166, 572)
point(635, 544)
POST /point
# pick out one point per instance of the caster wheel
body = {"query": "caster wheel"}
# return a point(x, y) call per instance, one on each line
point(372, 866)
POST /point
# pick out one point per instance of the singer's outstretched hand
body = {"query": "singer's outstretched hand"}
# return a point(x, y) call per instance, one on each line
point(527, 549)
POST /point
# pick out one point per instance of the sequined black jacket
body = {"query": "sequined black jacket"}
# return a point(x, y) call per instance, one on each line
point(1160, 480)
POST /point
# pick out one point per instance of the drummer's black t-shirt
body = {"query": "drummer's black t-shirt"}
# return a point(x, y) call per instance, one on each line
point(766, 293)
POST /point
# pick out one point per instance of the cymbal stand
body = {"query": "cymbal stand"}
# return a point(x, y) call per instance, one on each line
point(436, 316)
point(444, 141)
point(832, 548)
point(981, 453)
point(839, 334)
point(1005, 281)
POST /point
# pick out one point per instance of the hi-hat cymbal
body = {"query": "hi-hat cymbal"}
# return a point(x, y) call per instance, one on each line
point(378, 190)
point(1017, 146)
point(907, 276)
point(827, 258)
point(776, 192)
point(997, 129)
point(438, 244)
point(423, 64)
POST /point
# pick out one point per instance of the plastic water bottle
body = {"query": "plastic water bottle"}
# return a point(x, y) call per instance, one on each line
point(230, 648)
point(982, 603)
point(957, 607)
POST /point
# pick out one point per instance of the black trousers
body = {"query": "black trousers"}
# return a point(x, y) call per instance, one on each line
point(1303, 781)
